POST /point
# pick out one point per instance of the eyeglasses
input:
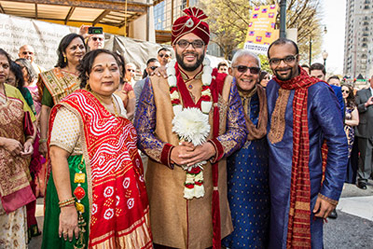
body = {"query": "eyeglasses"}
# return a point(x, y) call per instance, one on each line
point(288, 60)
point(345, 91)
point(196, 44)
point(27, 52)
point(243, 69)
point(97, 38)
point(153, 68)
point(164, 55)
point(130, 70)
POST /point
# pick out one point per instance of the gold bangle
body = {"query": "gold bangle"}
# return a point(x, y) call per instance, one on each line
point(66, 202)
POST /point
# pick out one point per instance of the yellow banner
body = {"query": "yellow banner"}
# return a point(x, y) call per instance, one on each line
point(262, 25)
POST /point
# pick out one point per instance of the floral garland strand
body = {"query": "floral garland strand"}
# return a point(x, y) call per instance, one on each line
point(206, 98)
point(192, 125)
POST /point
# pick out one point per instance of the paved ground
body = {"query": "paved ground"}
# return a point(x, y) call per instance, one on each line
point(353, 228)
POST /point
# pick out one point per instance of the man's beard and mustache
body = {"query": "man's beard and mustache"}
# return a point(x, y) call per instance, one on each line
point(280, 77)
point(191, 68)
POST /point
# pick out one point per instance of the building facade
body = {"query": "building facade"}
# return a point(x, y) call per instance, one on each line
point(358, 57)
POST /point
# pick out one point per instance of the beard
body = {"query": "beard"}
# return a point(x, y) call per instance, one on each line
point(286, 78)
point(191, 68)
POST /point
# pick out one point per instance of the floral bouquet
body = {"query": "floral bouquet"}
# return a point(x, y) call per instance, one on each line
point(191, 125)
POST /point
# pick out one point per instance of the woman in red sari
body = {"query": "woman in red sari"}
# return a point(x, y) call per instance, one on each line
point(96, 196)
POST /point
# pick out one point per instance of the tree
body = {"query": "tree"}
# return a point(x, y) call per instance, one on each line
point(229, 19)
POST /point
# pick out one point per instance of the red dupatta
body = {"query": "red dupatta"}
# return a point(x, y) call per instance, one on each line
point(119, 206)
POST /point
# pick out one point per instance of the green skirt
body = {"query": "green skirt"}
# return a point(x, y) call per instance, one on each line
point(52, 210)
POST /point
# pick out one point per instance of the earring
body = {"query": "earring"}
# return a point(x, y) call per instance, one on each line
point(87, 87)
point(64, 59)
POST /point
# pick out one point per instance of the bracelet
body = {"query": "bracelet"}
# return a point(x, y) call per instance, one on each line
point(66, 202)
point(43, 140)
point(30, 137)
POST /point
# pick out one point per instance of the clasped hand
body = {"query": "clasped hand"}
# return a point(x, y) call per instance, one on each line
point(188, 154)
point(17, 149)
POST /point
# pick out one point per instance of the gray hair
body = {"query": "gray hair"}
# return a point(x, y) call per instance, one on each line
point(243, 52)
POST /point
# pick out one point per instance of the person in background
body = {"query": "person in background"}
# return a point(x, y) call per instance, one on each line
point(96, 195)
point(164, 56)
point(92, 41)
point(151, 65)
point(305, 177)
point(223, 67)
point(247, 168)
point(30, 80)
point(17, 134)
point(364, 134)
point(351, 121)
point(317, 70)
point(130, 74)
point(306, 68)
point(59, 82)
point(27, 52)
point(125, 90)
point(264, 78)
point(334, 80)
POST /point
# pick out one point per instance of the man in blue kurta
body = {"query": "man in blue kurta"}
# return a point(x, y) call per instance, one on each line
point(307, 151)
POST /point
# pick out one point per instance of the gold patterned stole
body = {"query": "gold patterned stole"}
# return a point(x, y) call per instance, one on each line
point(59, 83)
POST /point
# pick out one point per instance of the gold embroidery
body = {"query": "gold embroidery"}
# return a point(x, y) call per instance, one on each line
point(277, 130)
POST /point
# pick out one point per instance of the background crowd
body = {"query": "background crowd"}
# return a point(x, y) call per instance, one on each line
point(40, 122)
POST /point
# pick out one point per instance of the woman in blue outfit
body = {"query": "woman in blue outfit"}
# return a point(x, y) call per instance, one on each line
point(248, 188)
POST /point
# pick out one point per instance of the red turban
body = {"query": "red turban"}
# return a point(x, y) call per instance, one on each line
point(191, 23)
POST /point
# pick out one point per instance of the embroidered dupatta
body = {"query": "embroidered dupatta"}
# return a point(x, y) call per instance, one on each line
point(119, 209)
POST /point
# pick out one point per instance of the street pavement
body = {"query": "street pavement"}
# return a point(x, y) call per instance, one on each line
point(352, 229)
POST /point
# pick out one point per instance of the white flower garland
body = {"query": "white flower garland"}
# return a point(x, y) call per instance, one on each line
point(205, 94)
point(192, 125)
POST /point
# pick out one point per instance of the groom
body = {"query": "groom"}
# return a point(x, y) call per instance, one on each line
point(199, 222)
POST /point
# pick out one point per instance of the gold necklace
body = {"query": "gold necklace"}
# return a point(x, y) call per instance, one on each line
point(112, 101)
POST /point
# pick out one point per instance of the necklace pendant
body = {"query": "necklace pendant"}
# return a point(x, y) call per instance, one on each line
point(190, 86)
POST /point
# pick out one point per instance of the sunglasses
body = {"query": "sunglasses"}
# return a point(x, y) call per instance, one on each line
point(243, 69)
point(97, 38)
point(153, 68)
point(345, 91)
point(288, 60)
point(164, 55)
point(196, 44)
point(130, 70)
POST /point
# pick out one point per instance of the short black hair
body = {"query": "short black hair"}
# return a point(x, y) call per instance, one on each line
point(85, 65)
point(223, 63)
point(282, 41)
point(163, 49)
point(318, 66)
point(334, 77)
point(306, 66)
point(64, 43)
point(151, 60)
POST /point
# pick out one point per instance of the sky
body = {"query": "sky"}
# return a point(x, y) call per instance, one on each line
point(333, 17)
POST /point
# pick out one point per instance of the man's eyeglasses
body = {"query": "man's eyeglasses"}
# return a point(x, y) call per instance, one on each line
point(130, 70)
point(243, 69)
point(27, 52)
point(153, 68)
point(288, 60)
point(196, 44)
point(345, 91)
point(97, 38)
point(164, 55)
